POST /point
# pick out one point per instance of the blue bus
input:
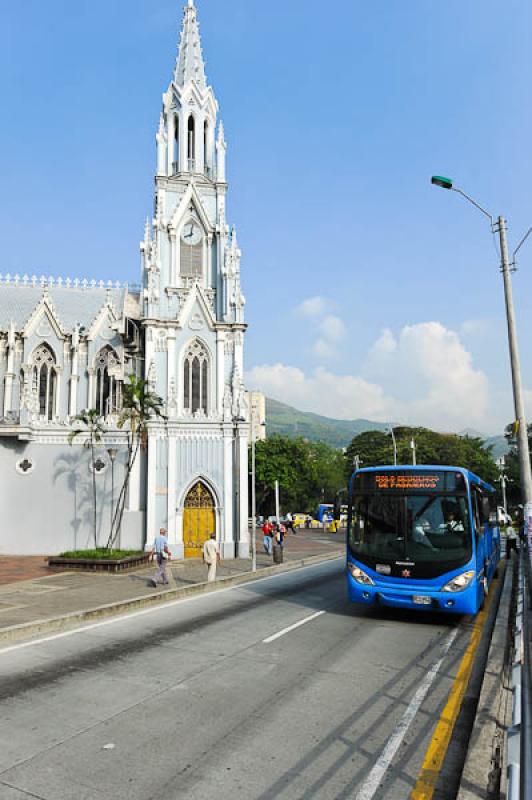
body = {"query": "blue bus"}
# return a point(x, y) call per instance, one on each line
point(421, 538)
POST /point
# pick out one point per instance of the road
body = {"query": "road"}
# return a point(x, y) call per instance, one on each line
point(219, 696)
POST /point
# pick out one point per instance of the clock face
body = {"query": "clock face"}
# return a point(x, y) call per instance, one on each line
point(191, 233)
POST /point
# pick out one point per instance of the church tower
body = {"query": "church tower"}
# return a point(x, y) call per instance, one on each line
point(193, 318)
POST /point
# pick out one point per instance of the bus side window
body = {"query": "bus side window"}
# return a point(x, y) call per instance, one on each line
point(475, 500)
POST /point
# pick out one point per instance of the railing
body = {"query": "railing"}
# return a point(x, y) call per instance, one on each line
point(519, 746)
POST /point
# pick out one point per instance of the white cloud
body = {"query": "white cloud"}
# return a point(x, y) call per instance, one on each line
point(323, 350)
point(474, 327)
point(312, 306)
point(332, 328)
point(341, 396)
point(423, 376)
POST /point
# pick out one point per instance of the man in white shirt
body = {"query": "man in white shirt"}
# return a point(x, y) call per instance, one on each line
point(511, 540)
point(211, 557)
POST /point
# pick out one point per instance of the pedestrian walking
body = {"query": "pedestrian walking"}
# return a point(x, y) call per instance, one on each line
point(267, 532)
point(211, 557)
point(290, 523)
point(162, 554)
point(511, 540)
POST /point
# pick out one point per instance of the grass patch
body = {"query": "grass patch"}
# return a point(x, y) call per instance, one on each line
point(101, 554)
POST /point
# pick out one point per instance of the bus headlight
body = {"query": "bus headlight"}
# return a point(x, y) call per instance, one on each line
point(359, 575)
point(459, 582)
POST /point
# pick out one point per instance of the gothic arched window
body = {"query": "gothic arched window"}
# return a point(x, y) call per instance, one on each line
point(206, 147)
point(44, 380)
point(175, 146)
point(195, 378)
point(191, 143)
point(108, 383)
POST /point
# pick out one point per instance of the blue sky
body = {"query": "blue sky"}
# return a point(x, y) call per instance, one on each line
point(369, 292)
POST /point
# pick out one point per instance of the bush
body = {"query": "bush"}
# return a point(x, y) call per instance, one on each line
point(101, 554)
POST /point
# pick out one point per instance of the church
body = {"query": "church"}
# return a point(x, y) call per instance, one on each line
point(68, 345)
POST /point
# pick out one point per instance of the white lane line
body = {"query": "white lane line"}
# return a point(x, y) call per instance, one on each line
point(128, 615)
point(372, 783)
point(292, 627)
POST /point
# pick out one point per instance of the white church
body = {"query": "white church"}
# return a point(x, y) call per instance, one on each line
point(68, 345)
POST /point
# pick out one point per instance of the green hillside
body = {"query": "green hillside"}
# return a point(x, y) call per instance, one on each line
point(288, 421)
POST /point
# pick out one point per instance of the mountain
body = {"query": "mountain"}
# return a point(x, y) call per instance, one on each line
point(288, 421)
point(500, 446)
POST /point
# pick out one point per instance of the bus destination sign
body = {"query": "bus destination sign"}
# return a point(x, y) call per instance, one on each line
point(409, 481)
point(391, 480)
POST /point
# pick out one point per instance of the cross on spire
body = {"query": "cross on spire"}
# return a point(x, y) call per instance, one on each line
point(189, 65)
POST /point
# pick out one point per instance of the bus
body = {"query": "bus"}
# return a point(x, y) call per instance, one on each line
point(421, 537)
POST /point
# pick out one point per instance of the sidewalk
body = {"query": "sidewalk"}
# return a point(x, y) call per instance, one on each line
point(39, 600)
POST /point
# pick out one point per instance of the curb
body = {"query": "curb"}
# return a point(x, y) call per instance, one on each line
point(25, 630)
point(482, 771)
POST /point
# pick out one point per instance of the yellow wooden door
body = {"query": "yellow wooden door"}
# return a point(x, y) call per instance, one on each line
point(198, 520)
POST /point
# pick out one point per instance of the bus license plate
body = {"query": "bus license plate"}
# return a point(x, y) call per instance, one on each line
point(420, 600)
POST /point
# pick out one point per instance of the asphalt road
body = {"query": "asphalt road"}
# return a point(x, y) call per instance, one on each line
point(199, 700)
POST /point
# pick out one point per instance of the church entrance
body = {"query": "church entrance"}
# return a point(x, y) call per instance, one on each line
point(198, 520)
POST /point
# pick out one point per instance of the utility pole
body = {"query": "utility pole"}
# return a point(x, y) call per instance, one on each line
point(503, 481)
point(499, 226)
point(413, 446)
point(253, 495)
point(519, 406)
point(394, 446)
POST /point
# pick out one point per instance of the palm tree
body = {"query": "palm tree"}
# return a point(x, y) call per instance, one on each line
point(90, 424)
point(139, 406)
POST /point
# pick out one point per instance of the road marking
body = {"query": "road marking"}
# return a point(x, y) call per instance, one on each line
point(292, 627)
point(437, 749)
point(128, 615)
point(372, 783)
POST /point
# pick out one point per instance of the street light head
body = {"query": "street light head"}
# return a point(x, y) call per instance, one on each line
point(444, 183)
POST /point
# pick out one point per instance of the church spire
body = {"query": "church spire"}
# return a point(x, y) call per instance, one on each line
point(189, 65)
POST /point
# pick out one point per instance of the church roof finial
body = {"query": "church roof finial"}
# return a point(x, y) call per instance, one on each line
point(190, 66)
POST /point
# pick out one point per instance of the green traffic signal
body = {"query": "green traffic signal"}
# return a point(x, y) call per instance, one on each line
point(445, 183)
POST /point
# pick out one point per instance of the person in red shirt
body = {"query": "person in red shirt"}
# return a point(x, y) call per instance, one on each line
point(267, 531)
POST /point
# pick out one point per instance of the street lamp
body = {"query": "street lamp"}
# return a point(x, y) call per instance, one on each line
point(499, 226)
point(389, 429)
point(253, 492)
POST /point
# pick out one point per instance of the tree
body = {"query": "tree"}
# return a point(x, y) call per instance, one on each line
point(511, 465)
point(139, 406)
point(90, 424)
point(376, 448)
point(306, 471)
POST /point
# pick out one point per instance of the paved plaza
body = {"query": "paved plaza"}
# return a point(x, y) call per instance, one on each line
point(30, 591)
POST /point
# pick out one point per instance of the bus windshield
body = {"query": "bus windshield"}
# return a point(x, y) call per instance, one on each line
point(429, 532)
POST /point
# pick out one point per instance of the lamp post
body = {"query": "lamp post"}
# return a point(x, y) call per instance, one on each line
point(499, 226)
point(253, 494)
point(390, 430)
point(112, 452)
point(413, 446)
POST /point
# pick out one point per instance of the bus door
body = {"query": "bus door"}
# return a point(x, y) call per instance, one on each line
point(483, 533)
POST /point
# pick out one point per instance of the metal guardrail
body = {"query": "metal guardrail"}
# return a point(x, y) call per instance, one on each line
point(519, 741)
